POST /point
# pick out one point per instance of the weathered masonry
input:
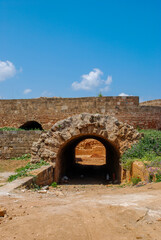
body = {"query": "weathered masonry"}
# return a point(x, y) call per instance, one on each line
point(16, 143)
point(58, 144)
point(44, 112)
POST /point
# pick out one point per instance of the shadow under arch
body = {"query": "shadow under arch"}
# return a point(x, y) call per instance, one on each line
point(65, 161)
point(31, 125)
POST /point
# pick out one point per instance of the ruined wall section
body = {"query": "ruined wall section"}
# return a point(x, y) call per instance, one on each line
point(47, 111)
point(156, 102)
point(16, 143)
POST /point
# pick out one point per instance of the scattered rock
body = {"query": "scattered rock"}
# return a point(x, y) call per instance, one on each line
point(42, 191)
point(23, 190)
point(45, 187)
point(159, 219)
point(57, 193)
point(2, 212)
point(64, 179)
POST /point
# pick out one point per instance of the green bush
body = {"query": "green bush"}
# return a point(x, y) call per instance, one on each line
point(158, 177)
point(148, 149)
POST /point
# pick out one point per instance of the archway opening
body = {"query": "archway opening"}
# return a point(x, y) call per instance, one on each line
point(31, 125)
point(90, 162)
point(85, 164)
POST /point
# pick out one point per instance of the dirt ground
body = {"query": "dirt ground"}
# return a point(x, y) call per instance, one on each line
point(10, 165)
point(82, 212)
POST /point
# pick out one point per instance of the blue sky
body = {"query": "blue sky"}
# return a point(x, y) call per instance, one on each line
point(79, 48)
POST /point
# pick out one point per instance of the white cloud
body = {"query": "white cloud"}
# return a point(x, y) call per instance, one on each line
point(26, 91)
point(123, 95)
point(107, 84)
point(109, 80)
point(46, 94)
point(7, 70)
point(89, 81)
point(92, 80)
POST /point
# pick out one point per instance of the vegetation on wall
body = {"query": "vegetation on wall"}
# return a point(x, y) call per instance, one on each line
point(100, 95)
point(10, 129)
point(17, 129)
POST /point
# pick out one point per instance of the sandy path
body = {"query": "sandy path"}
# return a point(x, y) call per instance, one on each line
point(82, 213)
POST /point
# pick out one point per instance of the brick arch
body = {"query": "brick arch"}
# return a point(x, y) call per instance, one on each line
point(56, 144)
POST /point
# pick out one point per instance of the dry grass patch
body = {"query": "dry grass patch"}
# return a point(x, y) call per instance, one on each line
point(11, 165)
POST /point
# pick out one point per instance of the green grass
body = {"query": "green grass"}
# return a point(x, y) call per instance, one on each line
point(18, 129)
point(10, 129)
point(23, 157)
point(148, 150)
point(25, 171)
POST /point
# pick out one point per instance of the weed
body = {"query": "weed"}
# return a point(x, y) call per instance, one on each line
point(19, 129)
point(158, 177)
point(135, 180)
point(34, 186)
point(10, 129)
point(25, 171)
point(23, 157)
point(54, 184)
point(100, 95)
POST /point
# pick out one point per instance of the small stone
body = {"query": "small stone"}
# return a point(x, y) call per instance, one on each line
point(57, 193)
point(42, 191)
point(45, 188)
point(2, 212)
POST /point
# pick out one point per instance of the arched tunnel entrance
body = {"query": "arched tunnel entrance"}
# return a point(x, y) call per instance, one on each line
point(31, 125)
point(69, 163)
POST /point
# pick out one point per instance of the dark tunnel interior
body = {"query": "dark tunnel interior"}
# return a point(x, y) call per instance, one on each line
point(66, 164)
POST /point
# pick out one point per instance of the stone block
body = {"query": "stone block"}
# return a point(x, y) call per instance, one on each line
point(139, 170)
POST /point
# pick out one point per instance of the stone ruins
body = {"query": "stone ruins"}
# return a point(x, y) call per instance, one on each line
point(58, 144)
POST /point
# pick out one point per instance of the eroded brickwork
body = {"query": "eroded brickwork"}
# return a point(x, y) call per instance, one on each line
point(48, 111)
point(16, 143)
point(156, 102)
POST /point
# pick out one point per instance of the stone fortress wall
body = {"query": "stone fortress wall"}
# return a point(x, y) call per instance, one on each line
point(156, 102)
point(47, 111)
